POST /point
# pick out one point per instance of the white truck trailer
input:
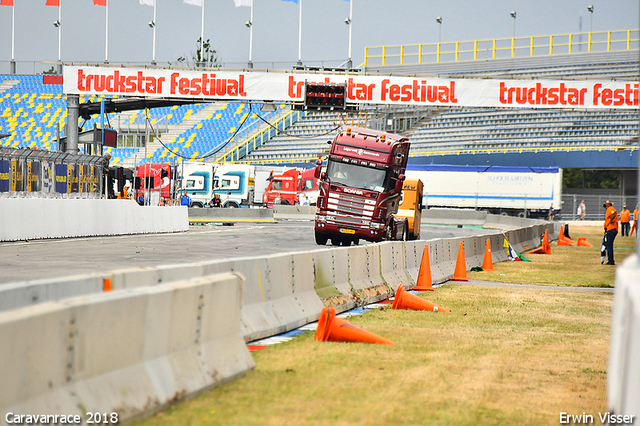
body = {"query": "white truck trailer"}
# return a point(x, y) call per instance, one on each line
point(516, 191)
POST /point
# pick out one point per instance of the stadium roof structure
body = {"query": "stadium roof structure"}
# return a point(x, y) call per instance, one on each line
point(88, 109)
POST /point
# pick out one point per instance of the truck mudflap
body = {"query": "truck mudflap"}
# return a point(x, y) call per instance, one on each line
point(398, 228)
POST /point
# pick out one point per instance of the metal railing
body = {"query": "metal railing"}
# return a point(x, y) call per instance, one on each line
point(594, 205)
point(499, 48)
point(261, 137)
point(36, 173)
point(520, 150)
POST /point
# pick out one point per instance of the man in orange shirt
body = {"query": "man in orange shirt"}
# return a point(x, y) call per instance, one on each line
point(635, 221)
point(625, 216)
point(610, 232)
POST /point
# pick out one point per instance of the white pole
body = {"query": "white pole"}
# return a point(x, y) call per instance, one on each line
point(300, 33)
point(350, 29)
point(251, 37)
point(106, 33)
point(153, 59)
point(60, 31)
point(13, 33)
point(202, 36)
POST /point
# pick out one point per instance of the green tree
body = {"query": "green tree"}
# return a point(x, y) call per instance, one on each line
point(590, 179)
point(204, 56)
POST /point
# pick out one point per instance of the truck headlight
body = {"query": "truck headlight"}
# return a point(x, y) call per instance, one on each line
point(377, 225)
point(321, 218)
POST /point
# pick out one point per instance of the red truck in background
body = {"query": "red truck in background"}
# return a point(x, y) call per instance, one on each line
point(152, 182)
point(291, 187)
point(360, 190)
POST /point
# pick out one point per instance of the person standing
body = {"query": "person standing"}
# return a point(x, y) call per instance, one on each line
point(582, 210)
point(625, 217)
point(185, 200)
point(610, 231)
point(635, 221)
point(552, 213)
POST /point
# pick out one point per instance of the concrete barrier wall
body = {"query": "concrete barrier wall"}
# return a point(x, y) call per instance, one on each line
point(130, 352)
point(230, 215)
point(38, 218)
point(623, 374)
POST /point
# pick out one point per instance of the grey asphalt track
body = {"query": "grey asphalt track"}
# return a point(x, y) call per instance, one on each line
point(36, 259)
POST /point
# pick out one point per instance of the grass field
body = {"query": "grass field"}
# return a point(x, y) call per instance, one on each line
point(572, 266)
point(502, 357)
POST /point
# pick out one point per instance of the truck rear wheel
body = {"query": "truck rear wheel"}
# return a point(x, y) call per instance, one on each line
point(321, 239)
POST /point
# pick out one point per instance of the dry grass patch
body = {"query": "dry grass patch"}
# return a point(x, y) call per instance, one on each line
point(572, 266)
point(503, 356)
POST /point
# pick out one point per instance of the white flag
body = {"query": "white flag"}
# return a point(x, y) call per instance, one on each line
point(193, 2)
point(148, 2)
point(240, 3)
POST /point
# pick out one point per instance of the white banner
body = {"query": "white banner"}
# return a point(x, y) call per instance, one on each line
point(361, 89)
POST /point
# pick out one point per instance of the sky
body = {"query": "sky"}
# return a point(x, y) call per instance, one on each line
point(325, 36)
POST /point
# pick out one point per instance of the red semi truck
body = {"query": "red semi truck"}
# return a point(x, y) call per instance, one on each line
point(290, 188)
point(360, 190)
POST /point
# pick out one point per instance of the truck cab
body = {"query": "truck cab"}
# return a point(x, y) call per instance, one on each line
point(282, 189)
point(360, 190)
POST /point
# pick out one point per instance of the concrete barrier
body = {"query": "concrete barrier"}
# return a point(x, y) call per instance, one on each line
point(393, 265)
point(127, 352)
point(229, 215)
point(623, 373)
point(40, 218)
point(282, 212)
point(454, 217)
point(331, 272)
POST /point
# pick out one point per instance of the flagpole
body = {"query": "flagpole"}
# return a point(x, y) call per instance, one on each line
point(59, 37)
point(13, 39)
point(153, 60)
point(300, 33)
point(250, 64)
point(202, 37)
point(106, 33)
point(349, 63)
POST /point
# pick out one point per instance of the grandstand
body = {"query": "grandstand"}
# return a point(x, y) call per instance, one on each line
point(32, 112)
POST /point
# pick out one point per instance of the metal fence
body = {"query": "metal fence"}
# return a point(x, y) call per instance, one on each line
point(36, 173)
point(594, 205)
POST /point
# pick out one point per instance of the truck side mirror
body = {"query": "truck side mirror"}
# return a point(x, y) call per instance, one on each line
point(401, 178)
point(316, 172)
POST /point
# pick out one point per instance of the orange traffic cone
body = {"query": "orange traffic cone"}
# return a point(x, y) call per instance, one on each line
point(460, 273)
point(582, 242)
point(545, 248)
point(562, 240)
point(331, 328)
point(545, 242)
point(487, 260)
point(106, 284)
point(424, 276)
point(406, 300)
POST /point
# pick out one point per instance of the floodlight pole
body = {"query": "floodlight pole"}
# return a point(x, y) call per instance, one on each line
point(349, 62)
point(299, 32)
point(250, 64)
point(153, 57)
point(13, 40)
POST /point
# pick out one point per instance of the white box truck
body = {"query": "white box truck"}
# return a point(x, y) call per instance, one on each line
point(516, 191)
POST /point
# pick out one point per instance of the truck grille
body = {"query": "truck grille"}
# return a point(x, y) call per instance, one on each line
point(354, 207)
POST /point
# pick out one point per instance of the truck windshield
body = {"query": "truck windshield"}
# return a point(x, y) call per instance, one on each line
point(356, 176)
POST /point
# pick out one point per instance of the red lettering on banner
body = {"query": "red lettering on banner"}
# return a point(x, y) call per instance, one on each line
point(81, 80)
point(363, 92)
point(418, 91)
point(539, 95)
point(295, 88)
